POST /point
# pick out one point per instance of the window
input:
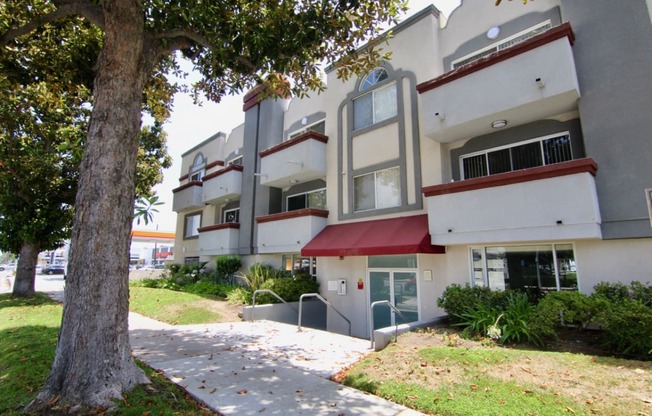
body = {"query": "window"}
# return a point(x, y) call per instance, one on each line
point(318, 127)
point(376, 190)
point(373, 78)
point(231, 215)
point(541, 268)
point(503, 44)
point(374, 107)
point(191, 226)
point(296, 264)
point(235, 161)
point(312, 199)
point(197, 168)
point(523, 155)
point(191, 260)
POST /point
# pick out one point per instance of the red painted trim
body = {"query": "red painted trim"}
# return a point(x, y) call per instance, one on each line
point(186, 186)
point(213, 164)
point(253, 97)
point(555, 33)
point(224, 226)
point(222, 172)
point(183, 178)
point(586, 165)
point(306, 212)
point(295, 140)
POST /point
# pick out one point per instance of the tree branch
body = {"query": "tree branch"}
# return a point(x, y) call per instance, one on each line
point(64, 8)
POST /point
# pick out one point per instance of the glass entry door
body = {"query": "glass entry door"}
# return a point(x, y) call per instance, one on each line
point(398, 287)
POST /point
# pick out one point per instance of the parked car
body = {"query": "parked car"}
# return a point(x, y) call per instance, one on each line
point(54, 269)
point(8, 266)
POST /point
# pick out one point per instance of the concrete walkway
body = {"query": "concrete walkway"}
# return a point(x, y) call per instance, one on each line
point(252, 368)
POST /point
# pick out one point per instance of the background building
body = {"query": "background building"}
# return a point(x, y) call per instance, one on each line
point(509, 147)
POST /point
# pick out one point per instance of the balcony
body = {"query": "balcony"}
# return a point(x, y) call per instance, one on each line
point(554, 202)
point(529, 81)
point(288, 232)
point(220, 239)
point(187, 197)
point(223, 185)
point(300, 159)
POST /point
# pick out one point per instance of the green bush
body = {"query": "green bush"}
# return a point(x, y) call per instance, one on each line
point(227, 266)
point(570, 307)
point(516, 321)
point(458, 301)
point(628, 324)
point(209, 287)
point(289, 289)
point(239, 295)
point(164, 283)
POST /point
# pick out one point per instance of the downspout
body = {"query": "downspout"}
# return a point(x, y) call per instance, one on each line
point(253, 197)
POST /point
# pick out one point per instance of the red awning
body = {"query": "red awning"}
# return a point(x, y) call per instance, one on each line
point(405, 235)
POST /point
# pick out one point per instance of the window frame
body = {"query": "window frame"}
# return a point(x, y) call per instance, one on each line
point(307, 128)
point(198, 168)
point(364, 85)
point(373, 92)
point(375, 173)
point(185, 225)
point(227, 211)
point(540, 140)
point(292, 258)
point(236, 161)
point(287, 198)
point(501, 44)
point(554, 249)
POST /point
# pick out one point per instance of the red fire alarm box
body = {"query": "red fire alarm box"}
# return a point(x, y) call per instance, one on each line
point(360, 284)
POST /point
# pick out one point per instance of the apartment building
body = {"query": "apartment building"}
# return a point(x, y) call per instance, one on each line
point(507, 147)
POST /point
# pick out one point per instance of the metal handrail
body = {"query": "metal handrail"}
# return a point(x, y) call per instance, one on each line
point(316, 295)
point(371, 317)
point(253, 300)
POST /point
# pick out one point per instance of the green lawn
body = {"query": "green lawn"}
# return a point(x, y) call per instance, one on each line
point(458, 380)
point(179, 308)
point(28, 336)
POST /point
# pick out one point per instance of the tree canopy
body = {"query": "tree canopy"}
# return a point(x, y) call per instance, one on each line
point(234, 45)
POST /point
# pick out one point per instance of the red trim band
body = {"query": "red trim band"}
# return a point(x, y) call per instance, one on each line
point(295, 140)
point(224, 226)
point(186, 186)
point(222, 172)
point(306, 212)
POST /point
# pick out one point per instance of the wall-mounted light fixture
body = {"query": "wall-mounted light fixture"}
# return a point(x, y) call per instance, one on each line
point(499, 124)
point(441, 116)
point(294, 162)
point(304, 121)
point(294, 181)
point(540, 83)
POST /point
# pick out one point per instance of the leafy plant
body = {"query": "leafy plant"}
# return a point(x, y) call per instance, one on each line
point(458, 301)
point(227, 266)
point(570, 307)
point(628, 324)
point(289, 289)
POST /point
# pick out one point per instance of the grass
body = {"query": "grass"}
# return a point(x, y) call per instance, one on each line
point(28, 336)
point(461, 380)
point(176, 308)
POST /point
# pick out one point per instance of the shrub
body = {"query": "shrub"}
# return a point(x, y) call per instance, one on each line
point(457, 301)
point(239, 295)
point(628, 324)
point(209, 287)
point(227, 266)
point(259, 273)
point(516, 321)
point(289, 289)
point(570, 307)
point(613, 292)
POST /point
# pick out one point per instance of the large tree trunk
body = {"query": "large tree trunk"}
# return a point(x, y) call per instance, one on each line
point(25, 269)
point(93, 363)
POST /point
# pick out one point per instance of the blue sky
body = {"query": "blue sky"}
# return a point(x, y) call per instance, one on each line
point(191, 124)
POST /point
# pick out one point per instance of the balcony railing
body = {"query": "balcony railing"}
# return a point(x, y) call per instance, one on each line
point(288, 232)
point(219, 239)
point(300, 159)
point(223, 185)
point(187, 197)
point(553, 202)
point(529, 81)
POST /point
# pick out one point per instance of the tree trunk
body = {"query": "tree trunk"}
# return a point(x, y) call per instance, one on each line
point(93, 364)
point(25, 269)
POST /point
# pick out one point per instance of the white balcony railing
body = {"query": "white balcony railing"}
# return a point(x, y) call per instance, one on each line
point(553, 202)
point(300, 159)
point(220, 239)
point(529, 81)
point(223, 185)
point(288, 232)
point(187, 197)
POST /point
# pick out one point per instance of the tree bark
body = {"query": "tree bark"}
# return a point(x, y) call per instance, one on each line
point(25, 269)
point(93, 364)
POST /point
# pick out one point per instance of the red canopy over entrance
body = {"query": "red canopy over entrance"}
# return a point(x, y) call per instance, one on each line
point(404, 235)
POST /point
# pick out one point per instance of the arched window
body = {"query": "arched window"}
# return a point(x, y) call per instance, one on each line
point(378, 104)
point(197, 168)
point(373, 78)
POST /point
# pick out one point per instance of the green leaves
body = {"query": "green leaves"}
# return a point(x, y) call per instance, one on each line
point(145, 208)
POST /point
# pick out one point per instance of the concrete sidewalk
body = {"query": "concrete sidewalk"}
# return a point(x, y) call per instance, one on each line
point(252, 368)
